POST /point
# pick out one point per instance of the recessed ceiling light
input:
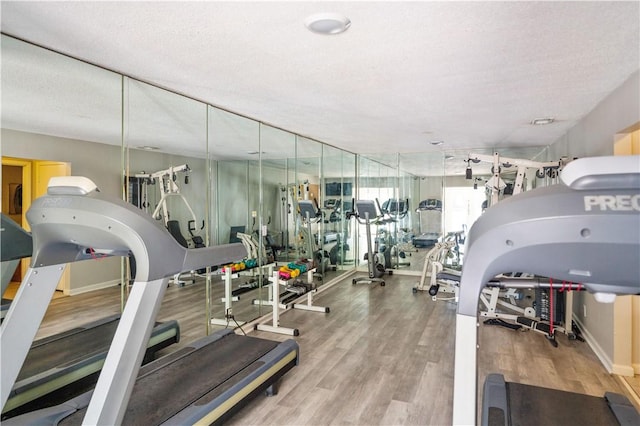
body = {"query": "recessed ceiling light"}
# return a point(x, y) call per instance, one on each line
point(436, 143)
point(542, 121)
point(449, 157)
point(255, 152)
point(149, 148)
point(327, 23)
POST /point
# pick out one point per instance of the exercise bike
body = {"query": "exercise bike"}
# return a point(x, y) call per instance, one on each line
point(366, 214)
point(310, 213)
point(393, 211)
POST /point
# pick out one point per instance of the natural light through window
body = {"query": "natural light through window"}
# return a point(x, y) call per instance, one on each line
point(462, 206)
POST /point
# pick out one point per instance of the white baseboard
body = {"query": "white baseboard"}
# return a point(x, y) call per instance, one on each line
point(623, 370)
point(593, 344)
point(636, 368)
point(92, 287)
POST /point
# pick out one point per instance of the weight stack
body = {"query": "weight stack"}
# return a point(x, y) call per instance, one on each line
point(543, 305)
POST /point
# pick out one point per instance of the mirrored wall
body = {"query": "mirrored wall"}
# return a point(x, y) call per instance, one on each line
point(59, 117)
point(165, 179)
point(338, 190)
point(212, 177)
point(207, 175)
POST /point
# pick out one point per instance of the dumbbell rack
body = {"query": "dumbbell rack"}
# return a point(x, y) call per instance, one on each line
point(274, 297)
point(228, 298)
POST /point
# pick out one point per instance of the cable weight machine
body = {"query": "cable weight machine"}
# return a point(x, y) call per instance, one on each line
point(167, 182)
point(496, 185)
point(493, 298)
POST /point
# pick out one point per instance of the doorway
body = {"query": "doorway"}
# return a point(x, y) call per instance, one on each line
point(12, 201)
point(24, 180)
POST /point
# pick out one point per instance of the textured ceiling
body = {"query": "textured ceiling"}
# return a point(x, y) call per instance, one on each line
point(473, 74)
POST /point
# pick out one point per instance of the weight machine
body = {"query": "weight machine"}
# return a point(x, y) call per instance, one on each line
point(496, 186)
point(434, 265)
point(504, 292)
point(495, 300)
point(167, 181)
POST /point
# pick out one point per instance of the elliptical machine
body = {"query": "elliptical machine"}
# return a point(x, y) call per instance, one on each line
point(366, 213)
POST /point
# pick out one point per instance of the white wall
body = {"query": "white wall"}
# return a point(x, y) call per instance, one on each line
point(594, 135)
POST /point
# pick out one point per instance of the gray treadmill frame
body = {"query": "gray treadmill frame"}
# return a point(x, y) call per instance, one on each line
point(16, 244)
point(70, 224)
point(43, 383)
point(555, 232)
point(203, 411)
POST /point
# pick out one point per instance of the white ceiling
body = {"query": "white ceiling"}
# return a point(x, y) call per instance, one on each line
point(473, 74)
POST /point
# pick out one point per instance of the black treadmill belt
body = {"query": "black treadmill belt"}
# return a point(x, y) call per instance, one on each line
point(532, 405)
point(163, 392)
point(69, 349)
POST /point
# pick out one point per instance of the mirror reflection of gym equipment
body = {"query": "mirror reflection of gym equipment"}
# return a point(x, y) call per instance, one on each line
point(496, 186)
point(390, 237)
point(430, 222)
point(166, 181)
point(310, 214)
point(366, 214)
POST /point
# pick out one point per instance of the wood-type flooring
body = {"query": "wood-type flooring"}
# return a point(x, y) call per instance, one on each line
point(382, 356)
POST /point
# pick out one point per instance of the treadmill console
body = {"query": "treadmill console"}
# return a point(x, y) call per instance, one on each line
point(71, 185)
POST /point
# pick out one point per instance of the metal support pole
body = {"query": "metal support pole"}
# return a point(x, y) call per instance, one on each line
point(115, 384)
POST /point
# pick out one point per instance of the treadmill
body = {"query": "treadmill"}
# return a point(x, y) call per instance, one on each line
point(15, 245)
point(202, 383)
point(65, 364)
point(584, 230)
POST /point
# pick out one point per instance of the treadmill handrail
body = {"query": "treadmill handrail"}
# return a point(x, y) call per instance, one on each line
point(71, 227)
point(16, 241)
